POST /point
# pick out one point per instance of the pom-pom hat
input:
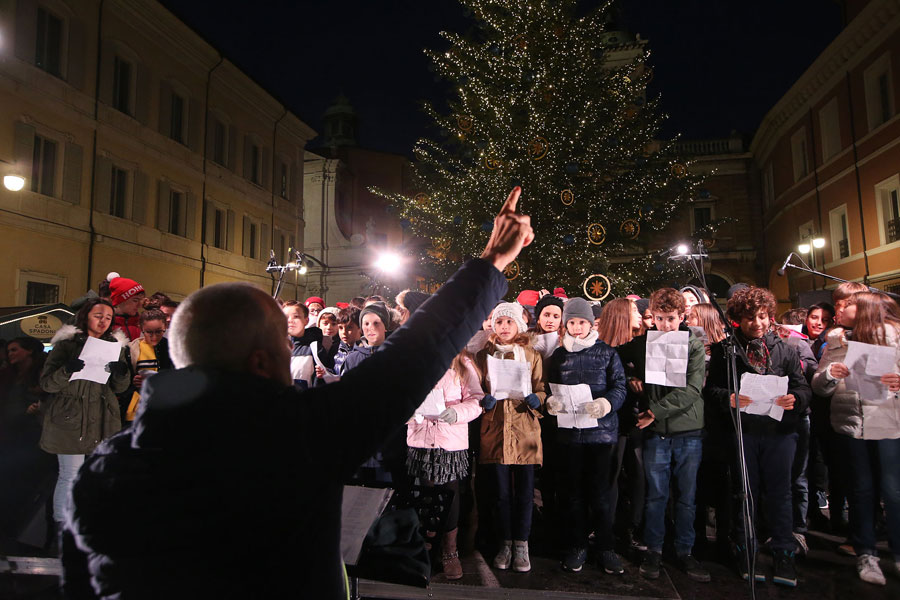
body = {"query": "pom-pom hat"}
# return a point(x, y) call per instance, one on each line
point(122, 289)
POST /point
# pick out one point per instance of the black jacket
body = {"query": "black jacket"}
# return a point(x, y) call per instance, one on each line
point(230, 486)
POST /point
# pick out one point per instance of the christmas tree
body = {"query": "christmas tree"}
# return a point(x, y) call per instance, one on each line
point(546, 98)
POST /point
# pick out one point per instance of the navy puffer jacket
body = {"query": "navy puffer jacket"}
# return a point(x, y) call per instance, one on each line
point(599, 367)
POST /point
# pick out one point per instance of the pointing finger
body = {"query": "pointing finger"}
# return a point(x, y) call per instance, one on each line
point(512, 201)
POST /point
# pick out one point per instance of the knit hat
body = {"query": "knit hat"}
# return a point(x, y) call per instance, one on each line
point(560, 293)
point(577, 308)
point(342, 305)
point(597, 309)
point(380, 310)
point(697, 292)
point(735, 288)
point(328, 310)
point(312, 299)
point(413, 300)
point(642, 305)
point(122, 288)
point(528, 298)
point(512, 310)
point(546, 301)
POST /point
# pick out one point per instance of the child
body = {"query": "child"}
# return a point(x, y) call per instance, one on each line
point(149, 353)
point(511, 435)
point(586, 454)
point(375, 322)
point(769, 445)
point(438, 453)
point(327, 322)
point(673, 446)
point(302, 364)
point(349, 334)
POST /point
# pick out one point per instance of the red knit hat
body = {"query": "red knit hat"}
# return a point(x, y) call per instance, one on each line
point(312, 299)
point(342, 305)
point(122, 288)
point(528, 297)
point(560, 293)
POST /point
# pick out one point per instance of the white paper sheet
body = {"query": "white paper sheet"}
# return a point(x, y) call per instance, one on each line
point(359, 509)
point(96, 354)
point(509, 378)
point(667, 358)
point(573, 397)
point(867, 363)
point(763, 390)
point(546, 343)
point(432, 407)
point(329, 376)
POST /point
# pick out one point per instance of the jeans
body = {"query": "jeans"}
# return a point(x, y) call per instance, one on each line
point(514, 499)
point(769, 460)
point(865, 457)
point(664, 458)
point(585, 484)
point(68, 469)
point(799, 481)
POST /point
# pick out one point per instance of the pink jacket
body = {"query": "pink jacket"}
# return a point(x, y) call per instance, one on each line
point(465, 398)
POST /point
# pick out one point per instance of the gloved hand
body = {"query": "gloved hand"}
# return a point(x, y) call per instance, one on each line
point(598, 408)
point(74, 365)
point(533, 401)
point(116, 368)
point(488, 402)
point(448, 416)
point(554, 406)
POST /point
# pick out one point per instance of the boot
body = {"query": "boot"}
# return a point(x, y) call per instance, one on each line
point(450, 556)
point(521, 562)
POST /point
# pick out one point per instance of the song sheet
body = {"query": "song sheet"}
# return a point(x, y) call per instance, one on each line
point(573, 397)
point(96, 354)
point(329, 376)
point(433, 406)
point(667, 358)
point(867, 363)
point(763, 390)
point(509, 378)
point(360, 508)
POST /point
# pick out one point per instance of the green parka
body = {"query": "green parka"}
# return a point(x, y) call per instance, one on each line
point(80, 414)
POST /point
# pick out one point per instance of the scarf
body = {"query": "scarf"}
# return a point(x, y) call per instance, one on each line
point(147, 361)
point(518, 352)
point(574, 344)
point(757, 352)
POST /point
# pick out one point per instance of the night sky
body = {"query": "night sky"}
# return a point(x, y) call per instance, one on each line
point(719, 65)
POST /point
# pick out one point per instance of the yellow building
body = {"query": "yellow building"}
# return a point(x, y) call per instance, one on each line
point(145, 152)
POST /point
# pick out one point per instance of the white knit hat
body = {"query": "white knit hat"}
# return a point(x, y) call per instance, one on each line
point(328, 310)
point(512, 310)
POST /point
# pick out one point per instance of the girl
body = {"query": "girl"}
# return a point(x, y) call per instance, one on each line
point(438, 448)
point(705, 316)
point(301, 336)
point(148, 353)
point(511, 435)
point(549, 311)
point(80, 413)
point(868, 428)
point(587, 453)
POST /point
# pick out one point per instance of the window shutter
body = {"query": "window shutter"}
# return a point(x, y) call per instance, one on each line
point(264, 246)
point(208, 236)
point(71, 188)
point(165, 108)
point(190, 220)
point(195, 120)
point(248, 163)
point(75, 54)
point(162, 210)
point(26, 30)
point(141, 185)
point(24, 150)
point(266, 168)
point(107, 65)
point(142, 94)
point(102, 174)
point(245, 246)
point(229, 234)
point(232, 148)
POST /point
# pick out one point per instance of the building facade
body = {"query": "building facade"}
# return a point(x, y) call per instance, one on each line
point(145, 152)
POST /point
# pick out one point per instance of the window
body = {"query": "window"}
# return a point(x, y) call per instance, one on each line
point(799, 154)
point(252, 161)
point(879, 92)
point(829, 122)
point(283, 185)
point(44, 166)
point(118, 192)
point(252, 237)
point(768, 187)
point(37, 292)
point(702, 217)
point(887, 197)
point(176, 128)
point(220, 143)
point(49, 43)
point(219, 235)
point(840, 233)
point(176, 212)
point(122, 85)
point(254, 242)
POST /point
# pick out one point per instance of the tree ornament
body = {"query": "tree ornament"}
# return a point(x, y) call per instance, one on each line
point(569, 239)
point(487, 226)
point(405, 223)
point(441, 243)
point(521, 41)
point(465, 123)
point(457, 220)
point(567, 197)
point(495, 49)
point(512, 270)
point(710, 243)
point(596, 287)
point(492, 162)
point(630, 229)
point(538, 148)
point(572, 168)
point(678, 170)
point(659, 267)
point(422, 198)
point(596, 234)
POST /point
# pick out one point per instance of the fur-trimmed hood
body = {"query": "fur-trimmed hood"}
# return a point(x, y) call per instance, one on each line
point(67, 332)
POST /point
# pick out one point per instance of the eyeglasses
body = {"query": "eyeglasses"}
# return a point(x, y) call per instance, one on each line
point(155, 332)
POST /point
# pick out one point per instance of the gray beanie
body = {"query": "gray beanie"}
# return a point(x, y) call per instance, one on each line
point(577, 308)
point(380, 310)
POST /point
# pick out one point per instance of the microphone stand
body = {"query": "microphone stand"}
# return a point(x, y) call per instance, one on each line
point(274, 267)
point(732, 350)
point(807, 269)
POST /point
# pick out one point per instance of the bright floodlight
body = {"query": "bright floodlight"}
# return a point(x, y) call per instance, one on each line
point(13, 183)
point(818, 243)
point(682, 249)
point(303, 269)
point(803, 248)
point(388, 262)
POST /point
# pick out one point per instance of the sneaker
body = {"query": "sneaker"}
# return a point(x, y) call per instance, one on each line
point(821, 500)
point(650, 565)
point(611, 563)
point(869, 570)
point(784, 572)
point(521, 562)
point(802, 546)
point(504, 558)
point(741, 558)
point(846, 549)
point(692, 567)
point(574, 560)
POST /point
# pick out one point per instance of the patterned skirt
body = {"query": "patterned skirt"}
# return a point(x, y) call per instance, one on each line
point(437, 465)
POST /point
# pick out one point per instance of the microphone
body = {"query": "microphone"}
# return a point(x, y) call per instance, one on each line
point(783, 266)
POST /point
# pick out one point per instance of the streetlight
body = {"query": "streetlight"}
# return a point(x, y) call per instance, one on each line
point(682, 249)
point(12, 181)
point(804, 248)
point(389, 262)
point(818, 243)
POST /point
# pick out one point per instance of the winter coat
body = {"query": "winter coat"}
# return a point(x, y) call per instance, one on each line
point(80, 413)
point(343, 351)
point(129, 325)
point(303, 365)
point(784, 362)
point(599, 367)
point(227, 469)
point(464, 396)
point(511, 432)
point(808, 361)
point(359, 353)
point(860, 418)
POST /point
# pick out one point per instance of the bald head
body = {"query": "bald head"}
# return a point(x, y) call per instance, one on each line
point(230, 326)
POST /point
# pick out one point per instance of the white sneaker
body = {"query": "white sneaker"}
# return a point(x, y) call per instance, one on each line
point(521, 562)
point(504, 557)
point(868, 569)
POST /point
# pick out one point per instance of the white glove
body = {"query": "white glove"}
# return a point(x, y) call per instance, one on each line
point(598, 409)
point(448, 416)
point(554, 406)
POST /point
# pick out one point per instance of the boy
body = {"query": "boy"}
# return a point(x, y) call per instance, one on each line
point(349, 333)
point(673, 446)
point(302, 363)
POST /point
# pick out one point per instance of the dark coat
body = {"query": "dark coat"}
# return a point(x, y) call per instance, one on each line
point(599, 367)
point(357, 355)
point(230, 486)
point(784, 361)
